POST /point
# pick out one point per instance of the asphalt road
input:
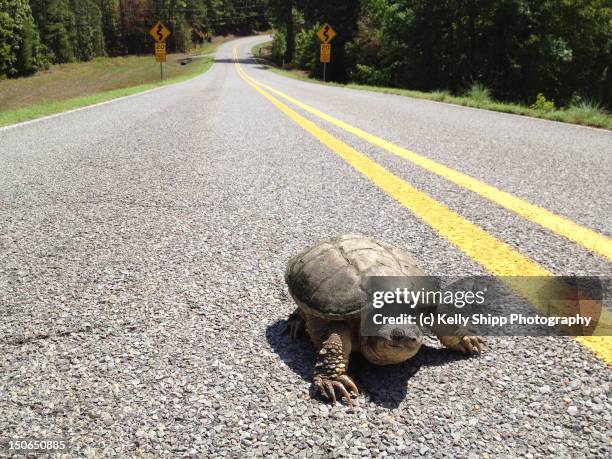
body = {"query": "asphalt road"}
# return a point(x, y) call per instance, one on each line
point(142, 250)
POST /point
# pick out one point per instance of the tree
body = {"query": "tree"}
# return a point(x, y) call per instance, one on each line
point(78, 30)
point(281, 12)
point(342, 15)
point(57, 24)
point(21, 52)
point(109, 20)
point(88, 25)
point(517, 48)
point(196, 17)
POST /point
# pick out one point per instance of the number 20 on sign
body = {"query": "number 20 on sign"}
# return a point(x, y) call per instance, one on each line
point(325, 53)
point(160, 52)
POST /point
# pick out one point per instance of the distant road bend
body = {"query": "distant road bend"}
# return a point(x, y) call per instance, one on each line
point(143, 243)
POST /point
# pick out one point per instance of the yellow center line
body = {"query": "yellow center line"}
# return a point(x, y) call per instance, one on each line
point(581, 235)
point(495, 256)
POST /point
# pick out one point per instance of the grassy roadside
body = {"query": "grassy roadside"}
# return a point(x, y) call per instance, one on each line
point(69, 86)
point(584, 114)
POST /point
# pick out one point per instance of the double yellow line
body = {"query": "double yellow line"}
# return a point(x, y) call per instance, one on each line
point(495, 256)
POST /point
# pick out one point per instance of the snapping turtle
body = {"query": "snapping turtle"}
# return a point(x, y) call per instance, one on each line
point(327, 283)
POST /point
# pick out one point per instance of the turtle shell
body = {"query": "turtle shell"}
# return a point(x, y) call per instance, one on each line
point(328, 279)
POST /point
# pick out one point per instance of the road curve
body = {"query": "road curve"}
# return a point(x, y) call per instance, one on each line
point(142, 250)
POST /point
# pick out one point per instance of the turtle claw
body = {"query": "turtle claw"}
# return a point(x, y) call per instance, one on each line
point(469, 344)
point(294, 326)
point(328, 386)
point(463, 341)
point(347, 381)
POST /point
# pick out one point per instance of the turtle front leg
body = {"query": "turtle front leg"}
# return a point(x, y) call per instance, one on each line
point(458, 338)
point(467, 344)
point(330, 369)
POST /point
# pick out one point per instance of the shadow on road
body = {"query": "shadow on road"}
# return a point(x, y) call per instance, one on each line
point(242, 60)
point(386, 386)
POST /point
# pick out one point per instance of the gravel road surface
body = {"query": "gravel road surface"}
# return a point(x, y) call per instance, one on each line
point(142, 250)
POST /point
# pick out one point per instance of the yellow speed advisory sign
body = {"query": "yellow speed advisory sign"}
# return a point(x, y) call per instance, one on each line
point(326, 34)
point(159, 32)
point(325, 53)
point(160, 52)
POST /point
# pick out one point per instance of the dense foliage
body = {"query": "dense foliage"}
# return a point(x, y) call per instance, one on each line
point(37, 32)
point(21, 51)
point(517, 49)
point(541, 52)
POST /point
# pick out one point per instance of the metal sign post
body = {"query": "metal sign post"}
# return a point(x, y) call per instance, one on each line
point(160, 34)
point(326, 34)
point(160, 56)
point(325, 57)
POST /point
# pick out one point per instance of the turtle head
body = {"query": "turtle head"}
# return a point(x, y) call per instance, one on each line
point(392, 344)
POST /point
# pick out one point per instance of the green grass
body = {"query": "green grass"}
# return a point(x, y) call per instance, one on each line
point(479, 93)
point(585, 113)
point(262, 49)
point(69, 86)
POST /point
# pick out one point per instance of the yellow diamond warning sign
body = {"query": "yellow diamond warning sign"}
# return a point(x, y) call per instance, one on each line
point(159, 32)
point(326, 34)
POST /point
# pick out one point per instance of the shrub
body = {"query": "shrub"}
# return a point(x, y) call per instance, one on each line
point(365, 74)
point(279, 46)
point(306, 55)
point(542, 104)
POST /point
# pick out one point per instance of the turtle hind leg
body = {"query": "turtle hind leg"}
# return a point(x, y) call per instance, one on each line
point(295, 325)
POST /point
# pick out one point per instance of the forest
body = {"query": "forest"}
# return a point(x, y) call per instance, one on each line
point(37, 33)
point(516, 50)
point(513, 50)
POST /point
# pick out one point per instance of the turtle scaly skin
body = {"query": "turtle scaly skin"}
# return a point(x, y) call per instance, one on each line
point(327, 283)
